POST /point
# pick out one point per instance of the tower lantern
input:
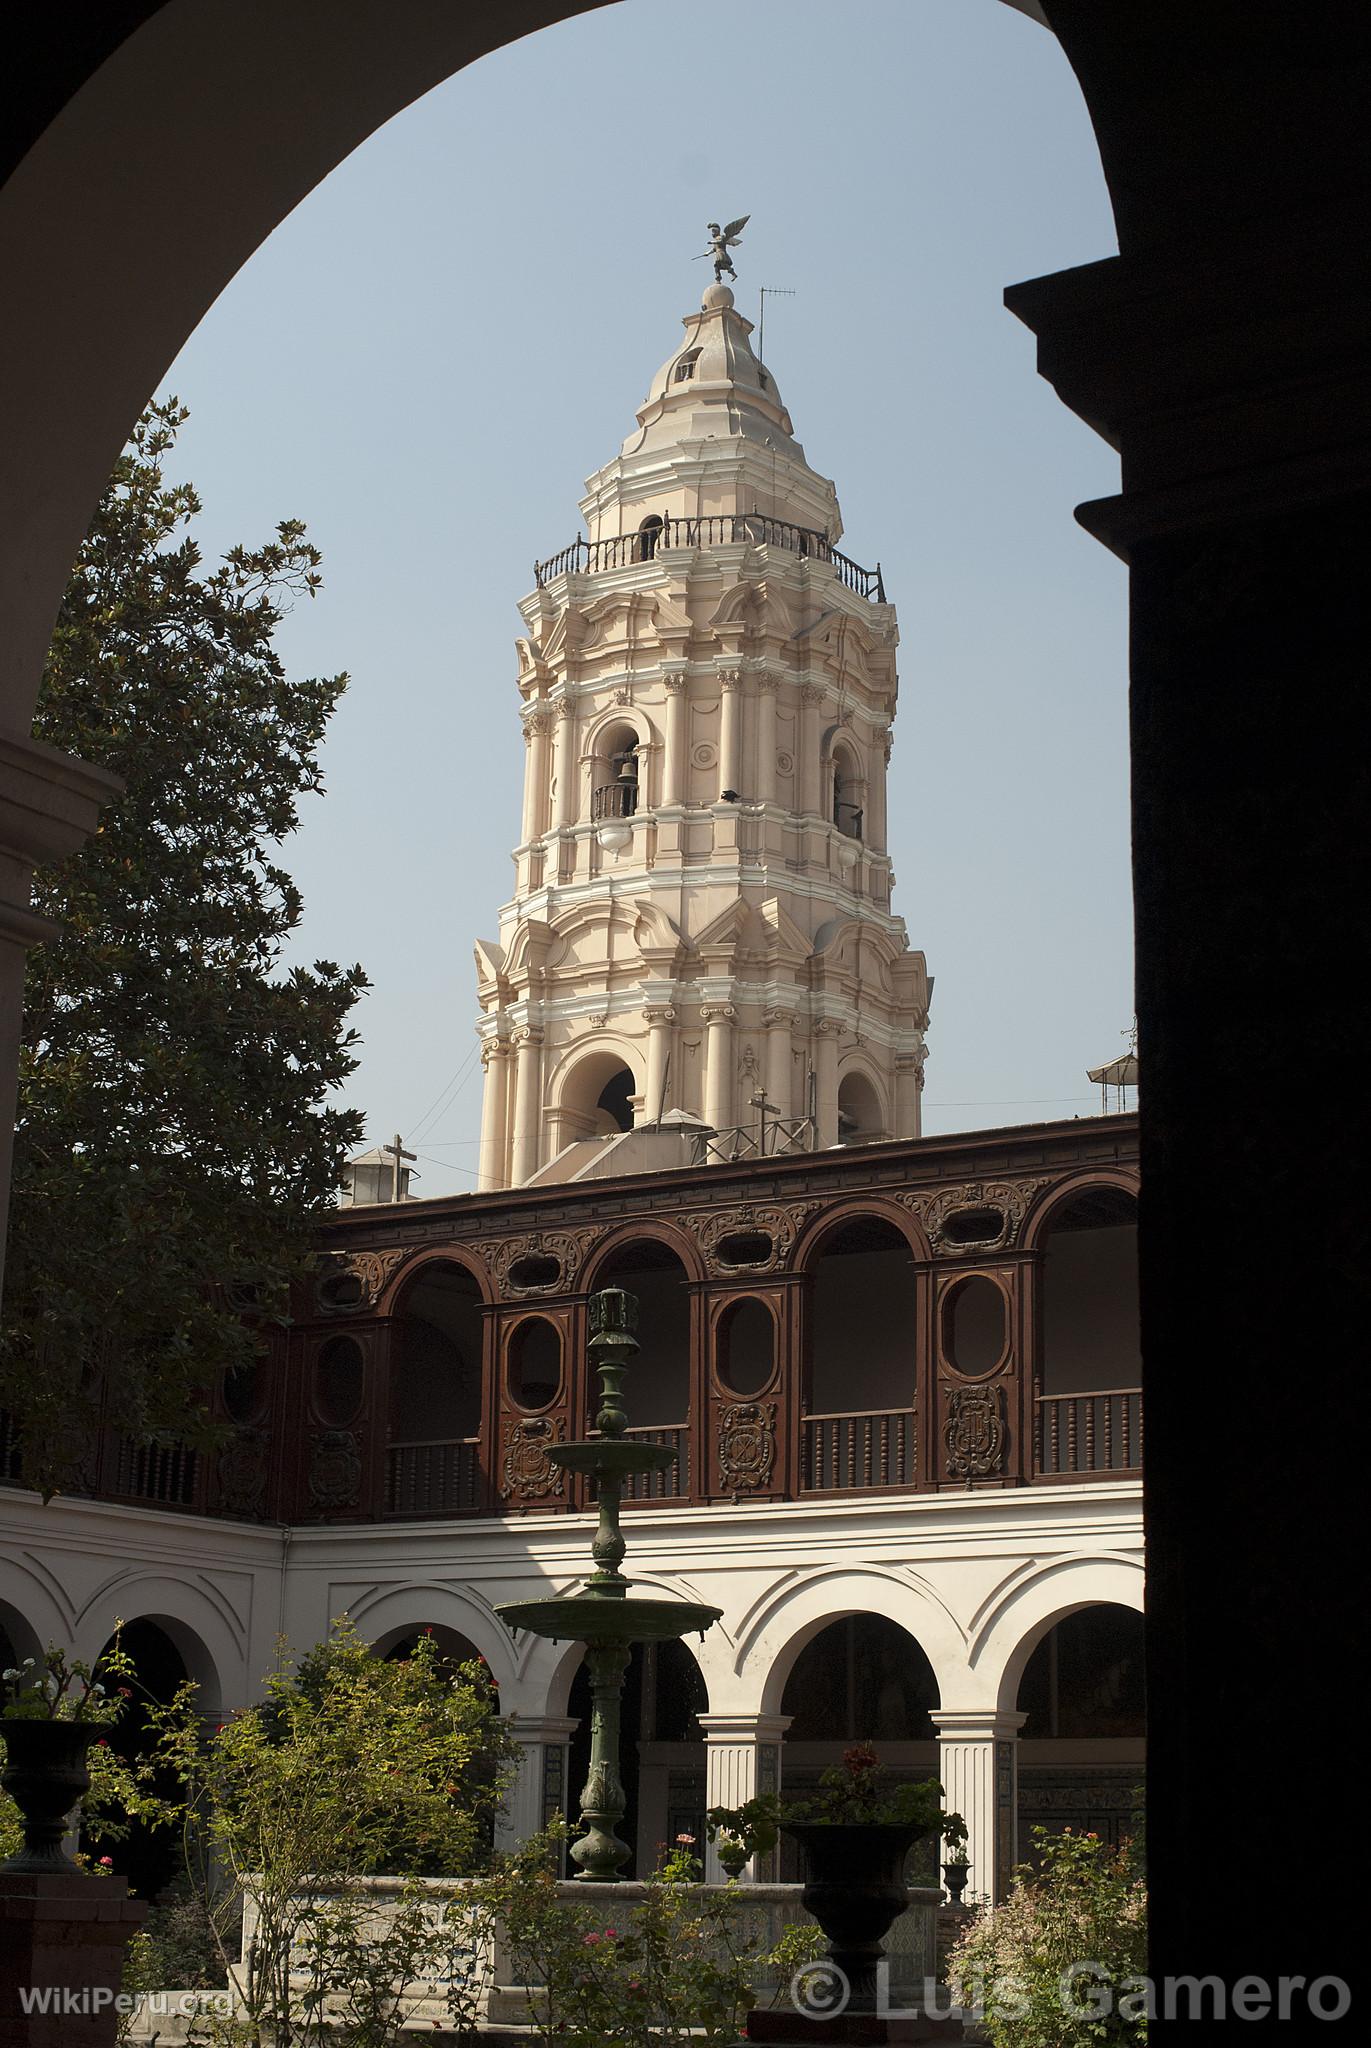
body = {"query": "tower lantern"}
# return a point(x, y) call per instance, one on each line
point(701, 918)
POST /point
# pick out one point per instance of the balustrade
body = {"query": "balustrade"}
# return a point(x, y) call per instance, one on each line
point(434, 1478)
point(850, 1453)
point(1086, 1433)
point(622, 550)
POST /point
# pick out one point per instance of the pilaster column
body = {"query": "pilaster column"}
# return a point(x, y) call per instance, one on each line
point(764, 772)
point(537, 731)
point(564, 806)
point(742, 1759)
point(659, 1019)
point(978, 1752)
point(674, 760)
point(811, 697)
point(730, 729)
point(718, 1019)
point(779, 1064)
point(909, 1086)
point(490, 1165)
point(826, 1033)
point(528, 1103)
point(540, 1789)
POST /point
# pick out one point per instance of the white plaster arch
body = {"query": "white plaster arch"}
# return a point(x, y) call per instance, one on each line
point(603, 1051)
point(771, 1637)
point(390, 1612)
point(36, 1602)
point(209, 1637)
point(1006, 1633)
point(559, 1672)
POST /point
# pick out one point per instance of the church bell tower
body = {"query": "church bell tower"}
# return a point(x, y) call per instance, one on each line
point(700, 949)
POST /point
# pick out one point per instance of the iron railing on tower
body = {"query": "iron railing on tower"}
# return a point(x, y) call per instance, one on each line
point(621, 551)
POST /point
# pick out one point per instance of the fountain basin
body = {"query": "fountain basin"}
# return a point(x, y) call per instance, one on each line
point(609, 1618)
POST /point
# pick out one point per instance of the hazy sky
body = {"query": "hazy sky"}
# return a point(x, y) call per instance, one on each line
point(452, 332)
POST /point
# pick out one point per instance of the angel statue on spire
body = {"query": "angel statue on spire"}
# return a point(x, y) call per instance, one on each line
point(721, 240)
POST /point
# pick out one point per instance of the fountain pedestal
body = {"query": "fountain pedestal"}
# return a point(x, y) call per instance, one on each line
point(605, 1614)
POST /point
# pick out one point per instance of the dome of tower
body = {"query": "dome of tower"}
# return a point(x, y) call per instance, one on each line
point(714, 369)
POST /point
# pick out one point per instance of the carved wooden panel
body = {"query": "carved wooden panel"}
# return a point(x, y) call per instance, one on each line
point(527, 1472)
point(780, 1222)
point(746, 1446)
point(973, 1430)
point(1011, 1198)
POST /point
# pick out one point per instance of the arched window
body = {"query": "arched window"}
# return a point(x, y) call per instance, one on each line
point(596, 1098)
point(657, 1388)
point(614, 786)
point(649, 537)
point(435, 1358)
point(1090, 1362)
point(862, 1320)
point(860, 1118)
point(848, 794)
point(685, 366)
point(1082, 1746)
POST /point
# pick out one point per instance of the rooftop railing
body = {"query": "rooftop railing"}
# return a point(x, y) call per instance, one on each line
point(591, 557)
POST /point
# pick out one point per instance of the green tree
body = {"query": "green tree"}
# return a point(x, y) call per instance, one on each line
point(174, 1146)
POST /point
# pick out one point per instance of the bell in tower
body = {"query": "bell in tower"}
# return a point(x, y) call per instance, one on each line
point(700, 960)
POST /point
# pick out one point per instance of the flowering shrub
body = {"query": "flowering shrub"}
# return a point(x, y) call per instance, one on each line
point(58, 1688)
point(1037, 1965)
point(681, 1968)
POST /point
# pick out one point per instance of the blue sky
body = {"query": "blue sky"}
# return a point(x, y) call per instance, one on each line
point(440, 344)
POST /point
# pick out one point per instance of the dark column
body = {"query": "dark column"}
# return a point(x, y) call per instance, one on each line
point(1224, 353)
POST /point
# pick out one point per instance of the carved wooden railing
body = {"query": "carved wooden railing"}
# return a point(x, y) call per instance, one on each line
point(155, 1475)
point(620, 551)
point(1083, 1433)
point(434, 1479)
point(849, 1453)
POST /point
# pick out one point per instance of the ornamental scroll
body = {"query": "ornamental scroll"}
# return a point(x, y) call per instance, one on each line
point(1011, 1199)
point(974, 1432)
point(527, 1472)
point(747, 1445)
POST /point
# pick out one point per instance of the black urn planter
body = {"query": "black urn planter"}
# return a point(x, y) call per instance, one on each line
point(45, 1774)
point(855, 1889)
point(955, 1876)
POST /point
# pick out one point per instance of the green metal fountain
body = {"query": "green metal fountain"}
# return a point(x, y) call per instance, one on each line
point(604, 1614)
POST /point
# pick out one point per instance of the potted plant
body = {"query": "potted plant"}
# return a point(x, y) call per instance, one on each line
point(741, 1832)
point(956, 1871)
point(51, 1710)
point(856, 1834)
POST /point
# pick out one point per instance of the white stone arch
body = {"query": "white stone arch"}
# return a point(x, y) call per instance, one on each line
point(208, 1636)
point(549, 1668)
point(35, 1606)
point(1009, 1628)
point(383, 1617)
point(605, 735)
point(581, 1072)
point(772, 1636)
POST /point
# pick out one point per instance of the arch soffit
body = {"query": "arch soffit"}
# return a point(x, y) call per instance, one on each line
point(421, 1259)
point(1037, 1224)
point(631, 715)
point(808, 1246)
point(771, 1636)
point(831, 936)
point(392, 1610)
point(659, 1230)
point(1008, 1629)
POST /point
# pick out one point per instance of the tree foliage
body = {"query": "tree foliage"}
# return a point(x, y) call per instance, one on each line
point(174, 1142)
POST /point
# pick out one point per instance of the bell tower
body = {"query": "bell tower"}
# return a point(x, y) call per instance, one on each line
point(701, 934)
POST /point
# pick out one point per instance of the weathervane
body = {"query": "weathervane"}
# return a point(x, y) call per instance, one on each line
point(721, 240)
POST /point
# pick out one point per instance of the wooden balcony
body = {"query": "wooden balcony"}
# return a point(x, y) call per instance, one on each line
point(1080, 1436)
point(857, 1453)
point(435, 1479)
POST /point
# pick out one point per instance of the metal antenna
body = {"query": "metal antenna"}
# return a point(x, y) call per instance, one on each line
point(774, 291)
